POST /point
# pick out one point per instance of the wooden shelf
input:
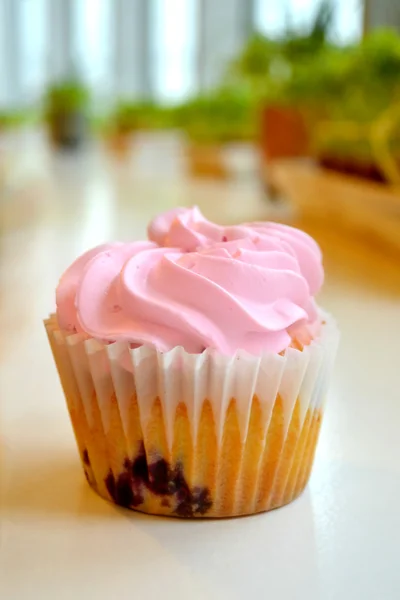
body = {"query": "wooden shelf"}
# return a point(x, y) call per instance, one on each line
point(369, 210)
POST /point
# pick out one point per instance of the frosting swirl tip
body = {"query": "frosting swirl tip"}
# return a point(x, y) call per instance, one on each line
point(198, 285)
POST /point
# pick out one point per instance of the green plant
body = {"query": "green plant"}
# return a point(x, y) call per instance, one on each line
point(130, 116)
point(300, 44)
point(372, 80)
point(276, 69)
point(69, 96)
point(354, 82)
point(351, 88)
point(222, 116)
point(10, 119)
point(319, 81)
point(255, 60)
point(363, 126)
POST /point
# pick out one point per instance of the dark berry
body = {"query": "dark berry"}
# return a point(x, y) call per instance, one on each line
point(123, 490)
point(184, 509)
point(139, 469)
point(202, 500)
point(159, 478)
point(181, 487)
point(85, 457)
point(196, 502)
point(110, 484)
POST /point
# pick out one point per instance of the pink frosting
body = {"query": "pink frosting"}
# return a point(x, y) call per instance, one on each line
point(250, 292)
point(67, 288)
point(186, 228)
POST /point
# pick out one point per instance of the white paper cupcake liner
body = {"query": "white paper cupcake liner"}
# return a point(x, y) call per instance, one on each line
point(101, 382)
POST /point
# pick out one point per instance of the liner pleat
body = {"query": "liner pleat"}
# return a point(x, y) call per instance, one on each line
point(194, 435)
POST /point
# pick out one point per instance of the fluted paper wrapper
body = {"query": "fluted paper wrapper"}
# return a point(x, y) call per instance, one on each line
point(187, 435)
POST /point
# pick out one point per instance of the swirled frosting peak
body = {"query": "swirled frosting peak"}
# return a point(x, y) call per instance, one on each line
point(244, 292)
point(188, 229)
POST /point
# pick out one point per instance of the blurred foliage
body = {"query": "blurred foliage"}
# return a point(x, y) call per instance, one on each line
point(17, 118)
point(275, 69)
point(266, 70)
point(225, 115)
point(298, 44)
point(254, 63)
point(370, 81)
point(129, 116)
point(365, 101)
point(350, 86)
point(69, 96)
point(355, 82)
point(301, 68)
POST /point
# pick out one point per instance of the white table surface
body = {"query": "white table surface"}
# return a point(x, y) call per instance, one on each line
point(58, 540)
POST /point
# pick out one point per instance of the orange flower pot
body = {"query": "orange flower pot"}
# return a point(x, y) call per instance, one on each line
point(206, 161)
point(283, 133)
point(119, 144)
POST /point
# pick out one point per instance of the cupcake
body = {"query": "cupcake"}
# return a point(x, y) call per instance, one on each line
point(195, 365)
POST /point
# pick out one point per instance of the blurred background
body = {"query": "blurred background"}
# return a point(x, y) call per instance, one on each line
point(112, 110)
